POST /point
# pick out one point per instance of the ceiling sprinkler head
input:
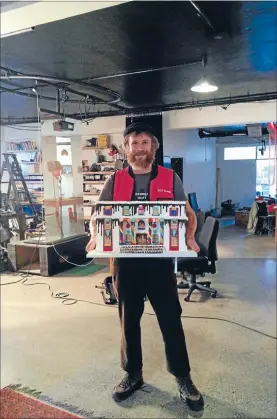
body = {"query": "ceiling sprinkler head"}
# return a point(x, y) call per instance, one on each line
point(218, 36)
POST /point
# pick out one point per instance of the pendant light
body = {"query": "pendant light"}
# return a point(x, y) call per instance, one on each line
point(204, 85)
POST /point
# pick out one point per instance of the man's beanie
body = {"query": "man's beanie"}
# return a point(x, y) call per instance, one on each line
point(139, 127)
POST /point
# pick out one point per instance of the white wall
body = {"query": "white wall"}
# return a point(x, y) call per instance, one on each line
point(109, 125)
point(44, 11)
point(113, 126)
point(18, 135)
point(212, 116)
point(237, 178)
point(199, 163)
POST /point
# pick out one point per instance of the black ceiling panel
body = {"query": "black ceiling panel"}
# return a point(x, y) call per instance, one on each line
point(238, 38)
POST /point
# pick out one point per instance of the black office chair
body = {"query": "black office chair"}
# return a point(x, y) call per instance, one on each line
point(265, 222)
point(200, 216)
point(204, 263)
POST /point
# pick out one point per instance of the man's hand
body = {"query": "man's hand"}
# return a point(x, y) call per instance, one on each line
point(91, 244)
point(93, 234)
point(192, 245)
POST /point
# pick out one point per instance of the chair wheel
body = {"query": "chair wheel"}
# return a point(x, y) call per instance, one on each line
point(213, 295)
point(187, 299)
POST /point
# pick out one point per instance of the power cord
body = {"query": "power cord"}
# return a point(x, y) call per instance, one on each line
point(67, 300)
point(72, 263)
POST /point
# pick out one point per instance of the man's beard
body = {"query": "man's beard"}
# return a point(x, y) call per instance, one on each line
point(141, 160)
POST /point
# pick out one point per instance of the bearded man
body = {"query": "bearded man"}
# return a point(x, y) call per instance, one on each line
point(136, 278)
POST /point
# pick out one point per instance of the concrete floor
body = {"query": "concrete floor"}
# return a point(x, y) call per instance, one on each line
point(71, 353)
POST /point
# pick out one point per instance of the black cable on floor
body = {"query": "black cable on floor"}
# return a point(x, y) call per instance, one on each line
point(67, 300)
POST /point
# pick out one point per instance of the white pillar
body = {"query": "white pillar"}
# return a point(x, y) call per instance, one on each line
point(58, 208)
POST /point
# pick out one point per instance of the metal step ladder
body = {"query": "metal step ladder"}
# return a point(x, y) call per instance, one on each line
point(18, 193)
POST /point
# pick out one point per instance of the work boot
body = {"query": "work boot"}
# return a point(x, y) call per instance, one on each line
point(189, 393)
point(127, 386)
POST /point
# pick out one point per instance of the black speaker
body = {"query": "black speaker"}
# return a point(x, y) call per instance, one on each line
point(156, 121)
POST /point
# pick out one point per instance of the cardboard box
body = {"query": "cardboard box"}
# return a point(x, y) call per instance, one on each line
point(103, 141)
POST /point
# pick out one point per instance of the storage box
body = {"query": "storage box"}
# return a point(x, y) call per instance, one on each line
point(241, 218)
point(103, 141)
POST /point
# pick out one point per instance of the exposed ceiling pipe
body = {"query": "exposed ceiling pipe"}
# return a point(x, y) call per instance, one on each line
point(188, 105)
point(259, 97)
point(202, 14)
point(92, 99)
point(58, 102)
point(56, 113)
point(146, 70)
point(14, 75)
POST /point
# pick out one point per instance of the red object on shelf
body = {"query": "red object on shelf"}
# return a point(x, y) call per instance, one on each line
point(72, 215)
point(113, 150)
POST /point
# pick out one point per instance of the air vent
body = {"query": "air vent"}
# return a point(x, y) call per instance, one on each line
point(254, 130)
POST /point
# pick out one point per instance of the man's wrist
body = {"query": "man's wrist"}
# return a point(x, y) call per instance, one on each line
point(190, 236)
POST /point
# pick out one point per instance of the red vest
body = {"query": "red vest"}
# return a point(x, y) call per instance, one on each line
point(161, 185)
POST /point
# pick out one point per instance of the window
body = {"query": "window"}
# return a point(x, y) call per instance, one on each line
point(269, 153)
point(265, 165)
point(240, 153)
point(266, 172)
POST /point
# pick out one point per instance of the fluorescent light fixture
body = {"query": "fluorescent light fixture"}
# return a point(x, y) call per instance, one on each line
point(240, 134)
point(19, 32)
point(204, 86)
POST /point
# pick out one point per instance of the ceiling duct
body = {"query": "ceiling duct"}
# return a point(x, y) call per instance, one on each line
point(251, 131)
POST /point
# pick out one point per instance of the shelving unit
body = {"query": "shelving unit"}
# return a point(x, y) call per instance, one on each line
point(34, 150)
point(102, 173)
point(107, 163)
point(95, 148)
point(21, 146)
point(95, 182)
point(28, 162)
point(92, 158)
point(88, 181)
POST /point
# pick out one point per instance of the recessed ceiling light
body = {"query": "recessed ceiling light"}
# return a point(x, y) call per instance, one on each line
point(204, 86)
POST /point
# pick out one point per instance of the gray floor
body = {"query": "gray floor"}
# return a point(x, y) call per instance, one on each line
point(71, 353)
